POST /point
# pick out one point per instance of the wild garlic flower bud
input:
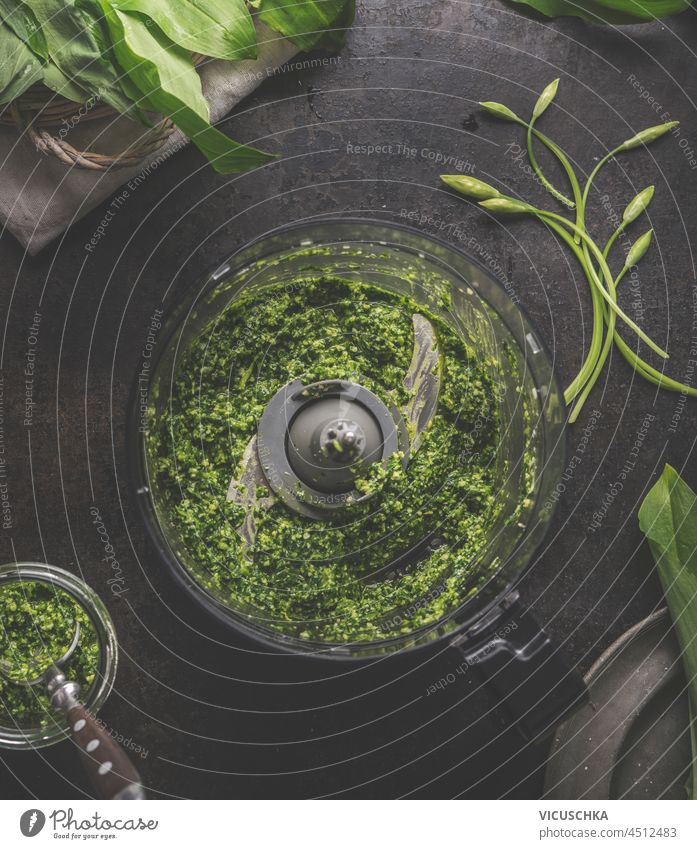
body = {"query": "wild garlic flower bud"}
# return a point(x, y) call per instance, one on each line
point(470, 186)
point(649, 134)
point(545, 98)
point(637, 205)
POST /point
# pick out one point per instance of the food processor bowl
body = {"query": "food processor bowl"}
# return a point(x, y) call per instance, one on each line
point(472, 302)
point(94, 698)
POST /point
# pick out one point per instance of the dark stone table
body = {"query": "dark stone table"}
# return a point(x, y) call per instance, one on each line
point(218, 718)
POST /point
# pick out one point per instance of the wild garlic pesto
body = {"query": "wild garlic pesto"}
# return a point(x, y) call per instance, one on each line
point(330, 580)
point(37, 623)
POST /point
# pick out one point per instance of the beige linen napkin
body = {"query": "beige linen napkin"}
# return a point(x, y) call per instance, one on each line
point(40, 197)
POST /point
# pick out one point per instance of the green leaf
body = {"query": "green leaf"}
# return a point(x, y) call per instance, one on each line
point(220, 28)
point(19, 67)
point(57, 81)
point(99, 28)
point(668, 518)
point(22, 21)
point(647, 10)
point(608, 11)
point(165, 75)
point(69, 27)
point(153, 63)
point(310, 24)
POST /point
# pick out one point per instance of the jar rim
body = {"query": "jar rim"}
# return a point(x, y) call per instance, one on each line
point(87, 598)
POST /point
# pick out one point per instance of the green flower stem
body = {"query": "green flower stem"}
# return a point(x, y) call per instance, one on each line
point(640, 366)
point(594, 172)
point(604, 353)
point(611, 241)
point(597, 355)
point(647, 371)
point(607, 274)
point(570, 173)
point(598, 327)
point(586, 369)
point(605, 307)
point(562, 198)
point(598, 316)
point(563, 161)
point(589, 182)
point(597, 301)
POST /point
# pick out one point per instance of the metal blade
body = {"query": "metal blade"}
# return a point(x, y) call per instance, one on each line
point(422, 380)
point(243, 491)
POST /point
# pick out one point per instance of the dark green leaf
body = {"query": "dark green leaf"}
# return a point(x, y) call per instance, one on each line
point(668, 518)
point(69, 27)
point(608, 11)
point(19, 67)
point(220, 28)
point(165, 75)
point(22, 20)
point(57, 81)
point(311, 25)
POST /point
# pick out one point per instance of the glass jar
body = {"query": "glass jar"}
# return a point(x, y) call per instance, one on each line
point(32, 738)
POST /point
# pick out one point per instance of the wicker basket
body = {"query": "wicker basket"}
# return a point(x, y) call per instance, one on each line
point(39, 112)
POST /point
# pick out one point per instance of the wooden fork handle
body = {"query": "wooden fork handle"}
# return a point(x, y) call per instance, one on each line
point(107, 765)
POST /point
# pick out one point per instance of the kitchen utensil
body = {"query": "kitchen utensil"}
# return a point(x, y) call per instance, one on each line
point(488, 627)
point(109, 769)
point(632, 739)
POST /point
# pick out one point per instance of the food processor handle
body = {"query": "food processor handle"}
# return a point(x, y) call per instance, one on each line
point(518, 661)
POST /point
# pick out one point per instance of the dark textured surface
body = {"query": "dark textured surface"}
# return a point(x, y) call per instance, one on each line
point(217, 718)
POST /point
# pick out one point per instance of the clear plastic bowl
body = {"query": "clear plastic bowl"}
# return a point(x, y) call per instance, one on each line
point(482, 310)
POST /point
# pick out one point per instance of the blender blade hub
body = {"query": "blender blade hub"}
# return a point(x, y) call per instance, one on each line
point(314, 441)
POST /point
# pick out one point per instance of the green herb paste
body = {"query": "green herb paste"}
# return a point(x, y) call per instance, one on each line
point(37, 624)
point(321, 580)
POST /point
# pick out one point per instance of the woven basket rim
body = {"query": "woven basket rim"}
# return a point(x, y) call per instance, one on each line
point(51, 109)
point(40, 108)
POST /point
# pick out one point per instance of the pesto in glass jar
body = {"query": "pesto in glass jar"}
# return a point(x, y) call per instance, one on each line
point(37, 624)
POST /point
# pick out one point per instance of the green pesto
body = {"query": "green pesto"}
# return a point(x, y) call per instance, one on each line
point(37, 623)
point(317, 580)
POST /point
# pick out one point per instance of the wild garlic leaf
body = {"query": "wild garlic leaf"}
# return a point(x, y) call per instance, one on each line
point(608, 11)
point(57, 81)
point(668, 518)
point(94, 18)
point(165, 75)
point(220, 28)
point(19, 67)
point(68, 26)
point(152, 62)
point(20, 18)
point(309, 24)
